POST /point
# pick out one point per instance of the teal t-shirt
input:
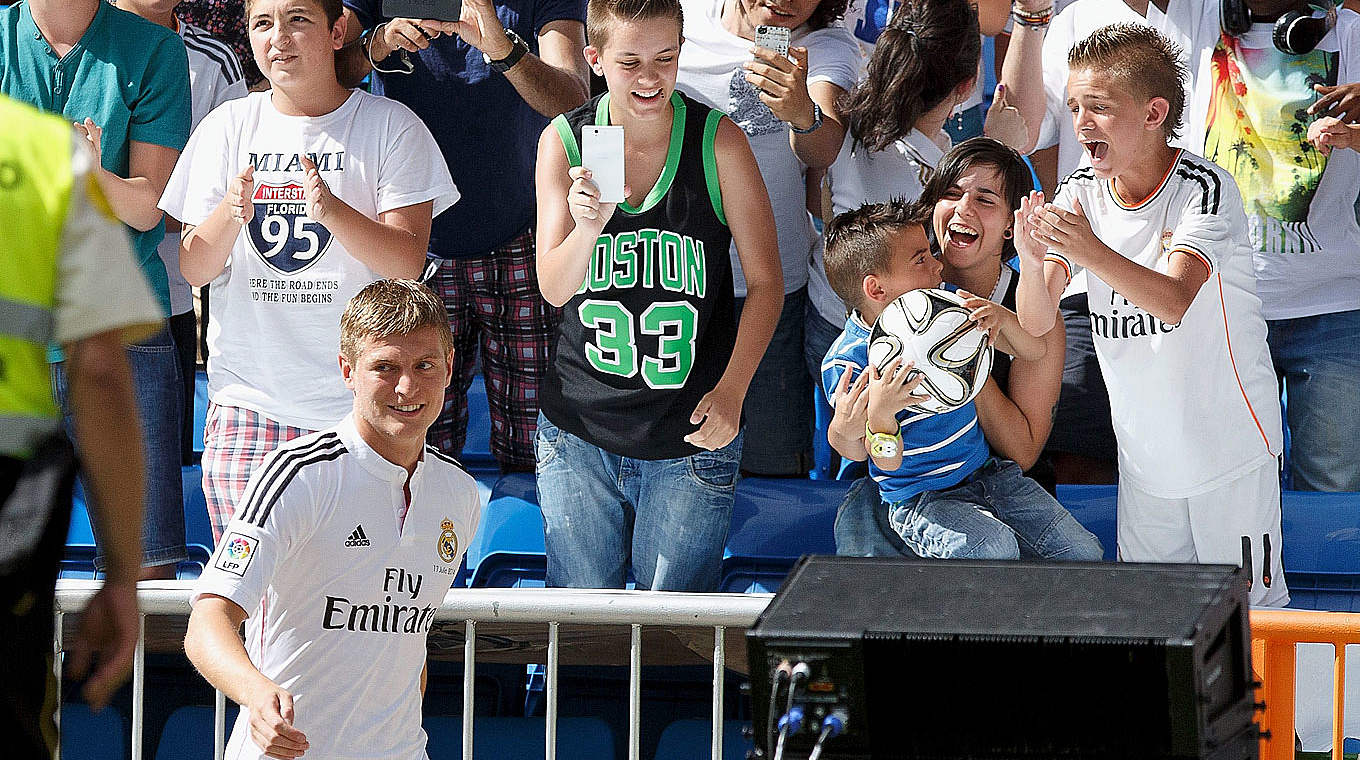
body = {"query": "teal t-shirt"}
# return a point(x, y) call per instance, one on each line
point(130, 76)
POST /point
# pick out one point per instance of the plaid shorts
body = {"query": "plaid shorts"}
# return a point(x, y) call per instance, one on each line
point(235, 441)
point(493, 302)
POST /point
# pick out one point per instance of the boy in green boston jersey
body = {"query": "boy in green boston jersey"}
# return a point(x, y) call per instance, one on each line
point(639, 438)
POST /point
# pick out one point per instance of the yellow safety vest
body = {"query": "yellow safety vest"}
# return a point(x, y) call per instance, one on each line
point(35, 193)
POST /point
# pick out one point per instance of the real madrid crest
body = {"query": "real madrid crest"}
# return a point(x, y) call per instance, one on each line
point(448, 541)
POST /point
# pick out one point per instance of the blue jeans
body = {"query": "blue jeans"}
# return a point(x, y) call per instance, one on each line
point(157, 387)
point(862, 528)
point(995, 513)
point(778, 406)
point(1318, 358)
point(668, 518)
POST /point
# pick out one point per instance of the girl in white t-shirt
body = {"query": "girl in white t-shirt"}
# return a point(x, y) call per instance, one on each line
point(788, 109)
point(925, 63)
point(292, 200)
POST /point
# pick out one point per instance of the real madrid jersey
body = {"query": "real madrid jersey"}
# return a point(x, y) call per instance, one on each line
point(938, 450)
point(1194, 404)
point(274, 323)
point(339, 596)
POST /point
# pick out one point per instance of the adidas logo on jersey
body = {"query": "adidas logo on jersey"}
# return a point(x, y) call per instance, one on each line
point(357, 538)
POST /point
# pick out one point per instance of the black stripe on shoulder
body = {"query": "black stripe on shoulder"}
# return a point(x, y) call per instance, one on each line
point(268, 481)
point(1208, 179)
point(1210, 186)
point(1083, 174)
point(218, 52)
point(436, 453)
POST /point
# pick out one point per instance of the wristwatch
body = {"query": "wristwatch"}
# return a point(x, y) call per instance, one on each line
point(816, 121)
point(518, 47)
point(883, 445)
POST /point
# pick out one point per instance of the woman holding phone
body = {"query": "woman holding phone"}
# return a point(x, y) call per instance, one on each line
point(639, 436)
point(787, 107)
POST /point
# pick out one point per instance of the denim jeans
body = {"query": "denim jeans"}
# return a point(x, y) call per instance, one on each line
point(157, 387)
point(602, 512)
point(995, 513)
point(1318, 359)
point(862, 528)
point(778, 406)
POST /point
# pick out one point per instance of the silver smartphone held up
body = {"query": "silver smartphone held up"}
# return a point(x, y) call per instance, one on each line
point(774, 38)
point(602, 154)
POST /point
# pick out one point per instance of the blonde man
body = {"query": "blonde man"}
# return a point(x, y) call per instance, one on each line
point(341, 552)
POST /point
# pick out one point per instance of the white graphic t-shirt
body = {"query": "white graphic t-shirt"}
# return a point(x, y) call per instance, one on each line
point(711, 72)
point(274, 326)
point(1299, 203)
point(1194, 404)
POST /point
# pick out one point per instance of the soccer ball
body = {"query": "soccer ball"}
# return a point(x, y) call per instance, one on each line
point(930, 328)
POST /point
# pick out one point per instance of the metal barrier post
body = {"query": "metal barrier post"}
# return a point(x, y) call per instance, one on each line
point(634, 692)
point(550, 693)
point(139, 688)
point(719, 672)
point(219, 725)
point(57, 657)
point(469, 677)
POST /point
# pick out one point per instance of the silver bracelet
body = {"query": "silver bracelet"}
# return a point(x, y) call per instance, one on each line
point(406, 66)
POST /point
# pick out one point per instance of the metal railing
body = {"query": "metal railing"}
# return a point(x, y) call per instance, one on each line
point(550, 607)
point(1275, 634)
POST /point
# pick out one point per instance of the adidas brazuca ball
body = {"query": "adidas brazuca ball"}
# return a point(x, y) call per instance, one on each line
point(930, 328)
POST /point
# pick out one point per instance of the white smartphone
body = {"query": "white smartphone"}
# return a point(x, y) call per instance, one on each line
point(774, 38)
point(602, 154)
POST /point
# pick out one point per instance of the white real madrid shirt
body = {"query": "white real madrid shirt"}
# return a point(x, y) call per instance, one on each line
point(339, 599)
point(275, 310)
point(1194, 404)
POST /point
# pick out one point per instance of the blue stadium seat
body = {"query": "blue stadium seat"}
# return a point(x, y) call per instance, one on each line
point(825, 460)
point(508, 548)
point(78, 559)
point(87, 735)
point(1321, 533)
point(687, 739)
point(200, 409)
point(477, 445)
point(1094, 508)
point(188, 733)
point(519, 738)
point(774, 522)
point(197, 527)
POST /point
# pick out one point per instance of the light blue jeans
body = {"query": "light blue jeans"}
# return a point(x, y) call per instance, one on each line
point(602, 512)
point(159, 393)
point(1318, 358)
point(995, 513)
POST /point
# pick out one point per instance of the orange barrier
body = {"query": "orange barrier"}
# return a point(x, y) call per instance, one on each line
point(1274, 634)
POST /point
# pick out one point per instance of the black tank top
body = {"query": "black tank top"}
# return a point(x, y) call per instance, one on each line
point(651, 329)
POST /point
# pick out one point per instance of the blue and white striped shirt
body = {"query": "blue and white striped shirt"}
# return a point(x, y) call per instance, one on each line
point(938, 450)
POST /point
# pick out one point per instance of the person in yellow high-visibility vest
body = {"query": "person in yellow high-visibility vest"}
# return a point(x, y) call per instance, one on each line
point(66, 277)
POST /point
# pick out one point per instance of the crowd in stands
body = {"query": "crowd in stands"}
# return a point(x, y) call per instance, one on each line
point(637, 369)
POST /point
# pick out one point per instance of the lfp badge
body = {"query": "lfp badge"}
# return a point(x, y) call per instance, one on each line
point(282, 233)
point(236, 553)
point(448, 541)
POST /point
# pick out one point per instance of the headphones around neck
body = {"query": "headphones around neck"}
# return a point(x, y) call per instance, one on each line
point(1295, 32)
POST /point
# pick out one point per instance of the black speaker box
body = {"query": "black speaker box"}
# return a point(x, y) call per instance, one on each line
point(984, 659)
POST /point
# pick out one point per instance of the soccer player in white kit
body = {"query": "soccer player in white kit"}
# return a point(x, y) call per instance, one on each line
point(341, 552)
point(1175, 318)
